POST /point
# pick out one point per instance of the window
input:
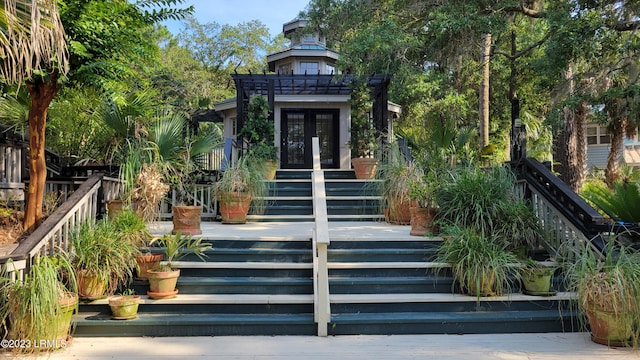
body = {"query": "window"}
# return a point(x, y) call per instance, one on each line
point(330, 69)
point(598, 135)
point(284, 69)
point(308, 67)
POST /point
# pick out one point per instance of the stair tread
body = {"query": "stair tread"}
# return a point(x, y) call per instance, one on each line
point(421, 317)
point(386, 265)
point(241, 265)
point(441, 297)
point(244, 280)
point(186, 299)
point(101, 319)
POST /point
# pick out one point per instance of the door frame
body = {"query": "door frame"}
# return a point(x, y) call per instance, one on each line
point(310, 131)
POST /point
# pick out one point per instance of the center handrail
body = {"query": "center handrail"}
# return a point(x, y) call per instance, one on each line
point(320, 244)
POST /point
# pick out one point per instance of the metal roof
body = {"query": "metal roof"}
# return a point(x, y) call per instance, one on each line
point(303, 84)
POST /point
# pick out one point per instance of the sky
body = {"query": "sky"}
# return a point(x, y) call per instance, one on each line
point(271, 13)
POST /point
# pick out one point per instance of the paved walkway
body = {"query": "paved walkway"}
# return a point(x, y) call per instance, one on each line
point(294, 230)
point(569, 346)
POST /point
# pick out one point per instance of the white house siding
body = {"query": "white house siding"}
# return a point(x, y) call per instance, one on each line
point(597, 156)
point(303, 102)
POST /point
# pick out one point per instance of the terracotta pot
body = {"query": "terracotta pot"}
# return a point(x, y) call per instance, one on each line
point(234, 207)
point(90, 287)
point(162, 284)
point(487, 287)
point(124, 307)
point(147, 262)
point(400, 211)
point(114, 207)
point(422, 220)
point(186, 219)
point(610, 328)
point(365, 168)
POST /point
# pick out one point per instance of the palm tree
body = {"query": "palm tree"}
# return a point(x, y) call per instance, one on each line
point(34, 51)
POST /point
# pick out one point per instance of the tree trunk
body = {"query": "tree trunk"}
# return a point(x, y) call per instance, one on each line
point(617, 126)
point(484, 91)
point(569, 147)
point(42, 94)
point(581, 117)
point(565, 151)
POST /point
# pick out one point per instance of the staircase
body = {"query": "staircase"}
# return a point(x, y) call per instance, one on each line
point(258, 278)
point(290, 197)
point(247, 286)
point(380, 280)
point(389, 286)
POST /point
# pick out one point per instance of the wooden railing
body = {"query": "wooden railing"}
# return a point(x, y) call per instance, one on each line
point(55, 232)
point(564, 214)
point(11, 171)
point(322, 306)
point(202, 195)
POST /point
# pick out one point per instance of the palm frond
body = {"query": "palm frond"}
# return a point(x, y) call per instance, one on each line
point(32, 39)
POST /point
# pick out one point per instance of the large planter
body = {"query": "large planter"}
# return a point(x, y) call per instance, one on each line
point(147, 262)
point(234, 207)
point(610, 328)
point(124, 307)
point(422, 220)
point(484, 287)
point(186, 219)
point(270, 169)
point(399, 212)
point(68, 305)
point(365, 168)
point(537, 281)
point(114, 207)
point(90, 286)
point(162, 284)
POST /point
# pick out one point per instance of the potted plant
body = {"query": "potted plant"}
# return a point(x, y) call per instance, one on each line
point(396, 173)
point(38, 310)
point(124, 306)
point(265, 156)
point(133, 228)
point(423, 192)
point(608, 288)
point(363, 142)
point(537, 277)
point(148, 191)
point(102, 258)
point(239, 186)
point(259, 133)
point(480, 263)
point(162, 281)
point(184, 174)
point(474, 197)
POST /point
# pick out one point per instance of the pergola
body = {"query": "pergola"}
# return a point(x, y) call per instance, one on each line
point(270, 85)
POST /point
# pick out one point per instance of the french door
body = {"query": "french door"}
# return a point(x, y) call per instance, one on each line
point(298, 127)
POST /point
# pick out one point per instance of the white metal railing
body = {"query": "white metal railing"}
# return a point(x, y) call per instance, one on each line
point(55, 232)
point(320, 244)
